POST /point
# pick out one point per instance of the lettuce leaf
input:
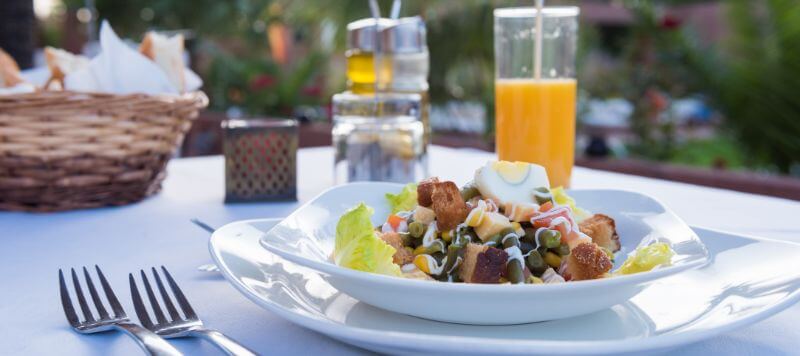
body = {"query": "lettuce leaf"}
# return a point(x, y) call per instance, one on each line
point(561, 198)
point(354, 224)
point(405, 200)
point(647, 258)
point(358, 247)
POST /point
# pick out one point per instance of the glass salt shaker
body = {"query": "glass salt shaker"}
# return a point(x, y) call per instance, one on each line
point(378, 138)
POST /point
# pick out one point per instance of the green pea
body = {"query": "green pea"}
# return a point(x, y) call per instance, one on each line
point(416, 229)
point(542, 250)
point(542, 195)
point(514, 272)
point(536, 263)
point(506, 231)
point(407, 239)
point(437, 246)
point(494, 241)
point(562, 250)
point(512, 240)
point(469, 191)
point(550, 238)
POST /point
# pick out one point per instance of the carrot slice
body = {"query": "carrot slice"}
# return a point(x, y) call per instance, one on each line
point(394, 221)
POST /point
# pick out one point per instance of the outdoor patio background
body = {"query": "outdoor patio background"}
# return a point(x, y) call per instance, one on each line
point(664, 85)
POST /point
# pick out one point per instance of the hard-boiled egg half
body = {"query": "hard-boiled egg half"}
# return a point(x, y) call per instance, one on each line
point(510, 182)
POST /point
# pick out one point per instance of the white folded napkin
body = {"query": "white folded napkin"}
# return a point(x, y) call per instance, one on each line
point(120, 69)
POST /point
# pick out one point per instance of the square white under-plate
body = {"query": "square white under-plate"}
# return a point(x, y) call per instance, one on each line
point(307, 238)
point(747, 280)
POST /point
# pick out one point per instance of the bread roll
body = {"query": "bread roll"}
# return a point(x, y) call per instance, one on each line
point(9, 71)
point(167, 53)
point(62, 63)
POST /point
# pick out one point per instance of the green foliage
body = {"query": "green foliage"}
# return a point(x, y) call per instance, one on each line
point(721, 152)
point(652, 71)
point(755, 80)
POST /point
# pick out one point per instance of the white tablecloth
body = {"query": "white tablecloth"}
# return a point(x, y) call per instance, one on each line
point(157, 232)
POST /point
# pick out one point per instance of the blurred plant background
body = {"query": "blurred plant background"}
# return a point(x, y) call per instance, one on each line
point(702, 83)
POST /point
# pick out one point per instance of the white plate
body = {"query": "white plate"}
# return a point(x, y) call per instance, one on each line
point(748, 280)
point(307, 236)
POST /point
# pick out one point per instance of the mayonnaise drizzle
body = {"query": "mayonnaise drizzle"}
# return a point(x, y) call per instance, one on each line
point(455, 265)
point(402, 227)
point(562, 220)
point(554, 211)
point(405, 214)
point(480, 210)
point(539, 194)
point(458, 236)
point(511, 210)
point(430, 234)
point(510, 234)
point(433, 267)
point(568, 222)
point(386, 228)
point(514, 253)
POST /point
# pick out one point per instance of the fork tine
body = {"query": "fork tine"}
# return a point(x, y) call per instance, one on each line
point(187, 308)
point(110, 296)
point(87, 314)
point(69, 310)
point(95, 297)
point(173, 313)
point(153, 302)
point(138, 304)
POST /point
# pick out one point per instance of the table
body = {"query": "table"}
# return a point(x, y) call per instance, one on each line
point(157, 232)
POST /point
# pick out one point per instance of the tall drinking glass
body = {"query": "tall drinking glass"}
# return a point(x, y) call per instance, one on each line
point(535, 117)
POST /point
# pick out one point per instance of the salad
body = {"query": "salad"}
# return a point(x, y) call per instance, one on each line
point(506, 226)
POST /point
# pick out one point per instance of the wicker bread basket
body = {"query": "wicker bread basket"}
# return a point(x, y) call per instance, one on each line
point(62, 150)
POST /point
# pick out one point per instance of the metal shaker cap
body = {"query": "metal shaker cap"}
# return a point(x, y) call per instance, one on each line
point(403, 35)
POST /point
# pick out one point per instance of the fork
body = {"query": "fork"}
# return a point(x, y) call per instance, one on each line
point(190, 326)
point(147, 340)
point(210, 267)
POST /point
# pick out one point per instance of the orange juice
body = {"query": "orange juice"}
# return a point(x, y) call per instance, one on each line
point(535, 122)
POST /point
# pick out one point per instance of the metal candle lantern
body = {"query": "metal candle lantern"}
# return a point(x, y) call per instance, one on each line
point(260, 160)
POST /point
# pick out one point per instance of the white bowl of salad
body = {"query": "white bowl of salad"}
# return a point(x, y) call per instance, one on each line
point(503, 249)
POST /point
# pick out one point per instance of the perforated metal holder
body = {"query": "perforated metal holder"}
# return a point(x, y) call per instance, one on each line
point(260, 160)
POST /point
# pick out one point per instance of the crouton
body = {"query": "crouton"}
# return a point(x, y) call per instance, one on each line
point(587, 261)
point(483, 264)
point(602, 230)
point(425, 191)
point(401, 255)
point(450, 209)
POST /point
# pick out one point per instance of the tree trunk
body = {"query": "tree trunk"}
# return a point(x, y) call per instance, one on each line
point(16, 30)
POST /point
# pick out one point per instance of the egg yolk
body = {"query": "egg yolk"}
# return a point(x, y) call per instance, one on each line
point(512, 172)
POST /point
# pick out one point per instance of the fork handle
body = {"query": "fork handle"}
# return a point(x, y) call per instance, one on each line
point(150, 342)
point(223, 342)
